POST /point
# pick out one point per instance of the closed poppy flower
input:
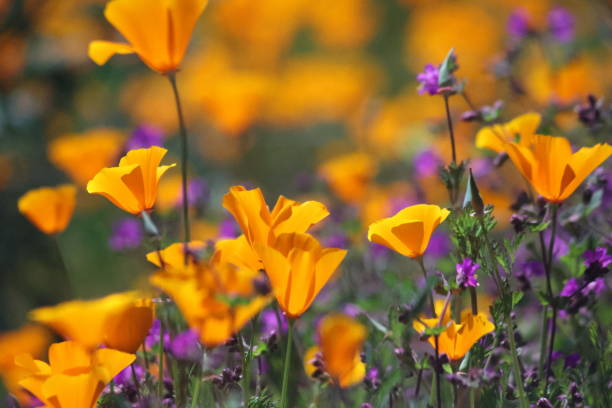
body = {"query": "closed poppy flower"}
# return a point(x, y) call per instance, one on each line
point(408, 232)
point(298, 268)
point(349, 175)
point(132, 186)
point(31, 339)
point(340, 340)
point(120, 321)
point(457, 339)
point(49, 208)
point(82, 155)
point(260, 225)
point(216, 295)
point(551, 167)
point(74, 377)
point(158, 31)
point(519, 129)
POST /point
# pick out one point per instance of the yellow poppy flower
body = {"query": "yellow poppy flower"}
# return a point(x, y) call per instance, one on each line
point(120, 321)
point(158, 31)
point(172, 259)
point(216, 295)
point(49, 208)
point(408, 232)
point(298, 268)
point(340, 340)
point(132, 186)
point(518, 129)
point(82, 155)
point(457, 339)
point(75, 376)
point(349, 175)
point(260, 225)
point(550, 166)
point(31, 339)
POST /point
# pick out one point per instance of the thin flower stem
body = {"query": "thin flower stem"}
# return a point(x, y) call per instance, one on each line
point(136, 382)
point(449, 120)
point(437, 374)
point(67, 271)
point(184, 163)
point(548, 269)
point(468, 100)
point(285, 386)
point(474, 300)
point(160, 384)
point(431, 299)
point(543, 342)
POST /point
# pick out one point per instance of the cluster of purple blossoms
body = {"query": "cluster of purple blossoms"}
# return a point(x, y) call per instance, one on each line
point(466, 273)
point(578, 290)
point(427, 163)
point(429, 80)
point(145, 136)
point(127, 233)
point(518, 24)
point(186, 346)
point(153, 336)
point(197, 193)
point(561, 24)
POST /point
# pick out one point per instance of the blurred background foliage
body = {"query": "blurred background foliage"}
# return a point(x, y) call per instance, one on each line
point(306, 98)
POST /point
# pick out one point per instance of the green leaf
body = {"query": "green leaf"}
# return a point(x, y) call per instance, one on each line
point(516, 298)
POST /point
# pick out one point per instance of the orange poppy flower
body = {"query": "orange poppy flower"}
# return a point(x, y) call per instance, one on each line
point(49, 208)
point(132, 186)
point(349, 175)
point(519, 129)
point(158, 31)
point(550, 166)
point(457, 339)
point(75, 376)
point(340, 340)
point(120, 321)
point(298, 268)
point(408, 232)
point(32, 339)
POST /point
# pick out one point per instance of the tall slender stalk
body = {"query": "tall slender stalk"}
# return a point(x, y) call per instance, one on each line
point(160, 384)
point(451, 132)
point(184, 163)
point(548, 269)
point(285, 385)
point(437, 374)
point(431, 298)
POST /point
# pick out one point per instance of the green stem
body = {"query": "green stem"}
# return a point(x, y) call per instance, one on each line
point(548, 269)
point(431, 299)
point(247, 365)
point(543, 342)
point(160, 384)
point(474, 300)
point(184, 163)
point(285, 386)
point(451, 132)
point(437, 374)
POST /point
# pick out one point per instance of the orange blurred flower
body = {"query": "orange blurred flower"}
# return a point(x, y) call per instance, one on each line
point(120, 321)
point(519, 129)
point(132, 186)
point(30, 339)
point(298, 268)
point(340, 340)
point(216, 296)
point(49, 208)
point(457, 339)
point(550, 166)
point(349, 175)
point(408, 232)
point(262, 226)
point(75, 376)
point(81, 156)
point(158, 31)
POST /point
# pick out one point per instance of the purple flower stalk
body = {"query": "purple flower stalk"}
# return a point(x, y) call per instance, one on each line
point(598, 255)
point(466, 273)
point(145, 136)
point(561, 24)
point(127, 234)
point(518, 24)
point(429, 80)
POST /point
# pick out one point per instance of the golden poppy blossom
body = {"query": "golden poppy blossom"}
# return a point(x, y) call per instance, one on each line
point(217, 295)
point(49, 208)
point(82, 155)
point(550, 166)
point(340, 340)
point(120, 321)
point(409, 231)
point(158, 31)
point(262, 226)
point(75, 376)
point(519, 129)
point(31, 339)
point(349, 175)
point(132, 186)
point(457, 339)
point(298, 268)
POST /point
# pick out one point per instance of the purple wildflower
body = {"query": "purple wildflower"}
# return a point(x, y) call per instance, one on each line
point(426, 163)
point(439, 245)
point(153, 336)
point(126, 378)
point(571, 286)
point(145, 136)
point(127, 234)
point(533, 268)
point(269, 322)
point(466, 273)
point(598, 255)
point(572, 360)
point(228, 228)
point(562, 24)
point(197, 192)
point(339, 240)
point(186, 346)
point(518, 23)
point(352, 310)
point(595, 287)
point(429, 80)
